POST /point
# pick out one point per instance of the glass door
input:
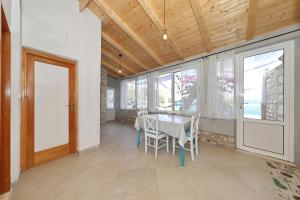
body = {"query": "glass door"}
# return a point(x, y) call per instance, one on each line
point(265, 99)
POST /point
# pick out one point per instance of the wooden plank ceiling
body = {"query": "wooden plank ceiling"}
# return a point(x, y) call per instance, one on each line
point(134, 28)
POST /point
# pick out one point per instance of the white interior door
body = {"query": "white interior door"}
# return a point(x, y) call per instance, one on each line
point(51, 114)
point(265, 93)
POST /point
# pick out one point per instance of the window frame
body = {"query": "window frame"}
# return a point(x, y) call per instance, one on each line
point(180, 69)
point(135, 105)
point(114, 106)
point(172, 90)
point(135, 93)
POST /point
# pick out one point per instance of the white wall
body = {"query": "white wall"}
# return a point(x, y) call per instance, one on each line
point(64, 31)
point(12, 8)
point(7, 6)
point(57, 27)
point(297, 101)
point(15, 88)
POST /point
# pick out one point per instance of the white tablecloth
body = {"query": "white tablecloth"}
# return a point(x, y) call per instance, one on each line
point(172, 125)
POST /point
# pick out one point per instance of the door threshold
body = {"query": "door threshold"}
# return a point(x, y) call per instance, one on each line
point(267, 157)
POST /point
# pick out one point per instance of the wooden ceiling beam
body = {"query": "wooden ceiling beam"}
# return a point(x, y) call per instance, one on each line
point(160, 26)
point(83, 4)
point(107, 64)
point(197, 11)
point(123, 25)
point(251, 23)
point(121, 49)
point(117, 60)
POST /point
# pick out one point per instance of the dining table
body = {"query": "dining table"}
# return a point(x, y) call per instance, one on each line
point(172, 125)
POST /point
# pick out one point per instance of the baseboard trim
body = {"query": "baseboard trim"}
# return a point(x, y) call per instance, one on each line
point(14, 184)
point(88, 150)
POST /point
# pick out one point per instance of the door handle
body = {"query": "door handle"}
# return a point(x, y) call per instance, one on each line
point(71, 107)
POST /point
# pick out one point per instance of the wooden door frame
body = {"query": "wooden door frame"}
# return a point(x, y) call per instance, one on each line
point(5, 95)
point(27, 116)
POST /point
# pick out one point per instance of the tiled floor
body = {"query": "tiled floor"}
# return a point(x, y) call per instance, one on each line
point(121, 171)
point(5, 196)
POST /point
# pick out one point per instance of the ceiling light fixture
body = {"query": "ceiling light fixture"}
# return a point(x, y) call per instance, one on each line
point(165, 35)
point(120, 67)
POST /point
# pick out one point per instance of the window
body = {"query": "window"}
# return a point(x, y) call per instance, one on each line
point(177, 91)
point(141, 90)
point(164, 88)
point(185, 90)
point(263, 86)
point(134, 93)
point(110, 100)
point(205, 85)
point(131, 100)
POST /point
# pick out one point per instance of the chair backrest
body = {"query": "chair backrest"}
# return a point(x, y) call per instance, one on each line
point(177, 113)
point(141, 113)
point(195, 124)
point(151, 123)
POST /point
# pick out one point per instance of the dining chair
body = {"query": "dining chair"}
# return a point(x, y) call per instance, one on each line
point(152, 133)
point(140, 114)
point(192, 136)
point(177, 113)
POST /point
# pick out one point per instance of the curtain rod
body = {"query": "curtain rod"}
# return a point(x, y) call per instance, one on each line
point(233, 48)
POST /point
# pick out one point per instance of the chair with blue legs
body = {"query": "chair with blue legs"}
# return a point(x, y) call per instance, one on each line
point(140, 114)
point(192, 136)
point(154, 137)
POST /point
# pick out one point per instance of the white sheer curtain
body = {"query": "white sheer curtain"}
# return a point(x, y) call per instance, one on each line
point(220, 85)
point(141, 90)
point(186, 87)
point(163, 87)
point(123, 98)
point(202, 87)
point(205, 85)
point(152, 92)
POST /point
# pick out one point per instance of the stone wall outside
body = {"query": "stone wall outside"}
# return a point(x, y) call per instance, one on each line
point(273, 95)
point(103, 89)
point(218, 139)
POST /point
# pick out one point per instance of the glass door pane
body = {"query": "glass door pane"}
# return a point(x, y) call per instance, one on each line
point(264, 86)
